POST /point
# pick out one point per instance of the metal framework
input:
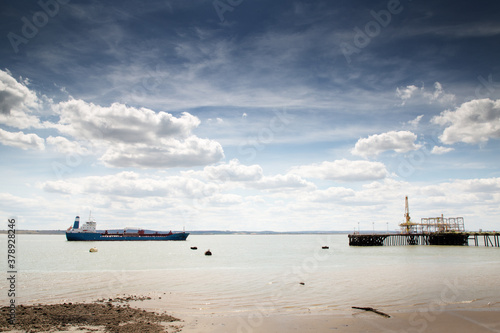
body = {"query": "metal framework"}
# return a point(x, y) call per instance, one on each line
point(441, 224)
point(430, 231)
point(430, 225)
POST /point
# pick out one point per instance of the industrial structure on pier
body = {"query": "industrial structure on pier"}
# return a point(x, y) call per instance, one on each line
point(430, 231)
point(431, 224)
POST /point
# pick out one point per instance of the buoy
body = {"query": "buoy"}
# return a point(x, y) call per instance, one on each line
point(94, 249)
point(208, 253)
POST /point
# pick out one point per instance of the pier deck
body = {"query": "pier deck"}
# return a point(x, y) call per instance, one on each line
point(452, 238)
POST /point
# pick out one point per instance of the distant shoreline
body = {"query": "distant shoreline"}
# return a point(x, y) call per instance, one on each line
point(203, 232)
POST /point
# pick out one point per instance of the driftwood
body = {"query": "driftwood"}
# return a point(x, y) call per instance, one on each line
point(372, 310)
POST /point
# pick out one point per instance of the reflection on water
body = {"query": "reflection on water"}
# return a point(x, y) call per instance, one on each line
point(271, 273)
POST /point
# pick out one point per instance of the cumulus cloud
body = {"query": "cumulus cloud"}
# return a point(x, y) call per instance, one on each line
point(342, 170)
point(132, 184)
point(400, 142)
point(224, 199)
point(66, 146)
point(406, 93)
point(137, 137)
point(283, 183)
point(128, 136)
point(21, 140)
point(15, 95)
point(332, 194)
point(192, 151)
point(479, 185)
point(473, 122)
point(120, 123)
point(16, 102)
point(463, 192)
point(415, 122)
point(234, 171)
point(439, 150)
point(420, 95)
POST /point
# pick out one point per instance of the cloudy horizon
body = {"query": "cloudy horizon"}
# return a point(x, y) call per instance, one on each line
point(238, 115)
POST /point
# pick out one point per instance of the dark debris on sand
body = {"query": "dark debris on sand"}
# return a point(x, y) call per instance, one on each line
point(58, 317)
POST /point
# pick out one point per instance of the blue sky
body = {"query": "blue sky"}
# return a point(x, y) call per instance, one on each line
point(249, 115)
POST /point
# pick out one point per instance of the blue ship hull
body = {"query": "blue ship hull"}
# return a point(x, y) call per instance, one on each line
point(95, 236)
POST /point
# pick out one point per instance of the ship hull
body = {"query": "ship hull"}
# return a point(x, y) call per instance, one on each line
point(95, 236)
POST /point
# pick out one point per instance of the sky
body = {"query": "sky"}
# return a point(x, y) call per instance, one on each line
point(249, 115)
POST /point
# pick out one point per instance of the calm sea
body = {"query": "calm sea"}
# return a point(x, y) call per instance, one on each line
point(268, 273)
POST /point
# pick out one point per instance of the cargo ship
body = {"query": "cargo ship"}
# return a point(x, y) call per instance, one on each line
point(88, 232)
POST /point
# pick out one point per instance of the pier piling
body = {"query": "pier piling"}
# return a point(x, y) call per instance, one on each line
point(452, 238)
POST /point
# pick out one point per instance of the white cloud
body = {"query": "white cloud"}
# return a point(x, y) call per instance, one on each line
point(342, 170)
point(479, 185)
point(129, 137)
point(332, 194)
point(65, 146)
point(439, 150)
point(283, 183)
point(439, 95)
point(420, 95)
point(415, 122)
point(400, 142)
point(137, 137)
point(21, 140)
point(16, 101)
point(225, 199)
point(120, 123)
point(475, 121)
point(295, 199)
point(216, 121)
point(15, 95)
point(406, 93)
point(464, 196)
point(234, 171)
point(132, 184)
point(167, 153)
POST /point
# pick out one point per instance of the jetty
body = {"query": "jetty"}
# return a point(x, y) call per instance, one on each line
point(429, 231)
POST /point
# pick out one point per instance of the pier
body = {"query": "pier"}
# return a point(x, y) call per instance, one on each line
point(430, 231)
point(488, 238)
point(458, 239)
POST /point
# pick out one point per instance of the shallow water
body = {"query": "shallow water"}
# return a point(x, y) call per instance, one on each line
point(249, 272)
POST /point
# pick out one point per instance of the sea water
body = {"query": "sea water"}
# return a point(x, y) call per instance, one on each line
point(281, 274)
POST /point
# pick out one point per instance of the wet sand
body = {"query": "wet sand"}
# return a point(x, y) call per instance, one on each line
point(453, 321)
point(131, 314)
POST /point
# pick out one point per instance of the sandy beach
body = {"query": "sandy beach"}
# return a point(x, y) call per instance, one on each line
point(460, 320)
point(139, 314)
point(452, 321)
